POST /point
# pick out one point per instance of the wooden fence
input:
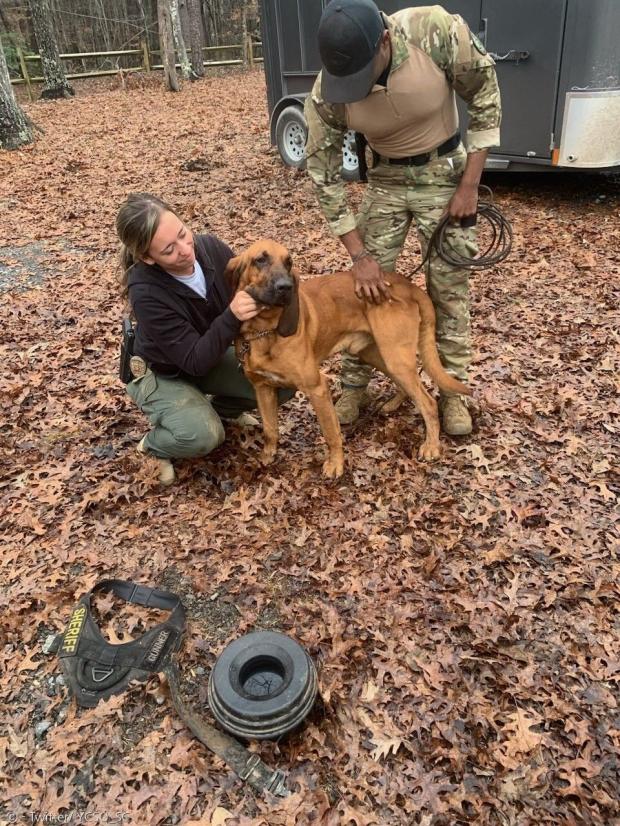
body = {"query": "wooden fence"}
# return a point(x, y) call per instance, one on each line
point(248, 52)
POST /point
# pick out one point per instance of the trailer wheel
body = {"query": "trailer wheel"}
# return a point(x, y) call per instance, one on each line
point(291, 136)
point(350, 165)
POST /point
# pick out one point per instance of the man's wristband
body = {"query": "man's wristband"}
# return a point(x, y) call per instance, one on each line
point(359, 255)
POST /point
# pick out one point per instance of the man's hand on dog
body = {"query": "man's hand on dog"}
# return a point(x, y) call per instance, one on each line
point(243, 306)
point(369, 281)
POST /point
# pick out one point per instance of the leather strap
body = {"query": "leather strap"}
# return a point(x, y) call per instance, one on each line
point(247, 765)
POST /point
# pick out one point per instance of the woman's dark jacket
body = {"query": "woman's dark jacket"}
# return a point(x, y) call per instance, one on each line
point(178, 331)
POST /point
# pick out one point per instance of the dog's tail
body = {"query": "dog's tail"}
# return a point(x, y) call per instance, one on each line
point(428, 348)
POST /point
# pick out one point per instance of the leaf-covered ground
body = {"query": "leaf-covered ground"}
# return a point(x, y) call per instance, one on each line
point(463, 615)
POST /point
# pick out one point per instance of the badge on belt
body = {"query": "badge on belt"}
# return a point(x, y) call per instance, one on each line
point(137, 365)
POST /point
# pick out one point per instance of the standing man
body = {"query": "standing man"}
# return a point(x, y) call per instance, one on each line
point(393, 79)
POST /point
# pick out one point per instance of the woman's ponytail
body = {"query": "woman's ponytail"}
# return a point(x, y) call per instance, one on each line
point(136, 224)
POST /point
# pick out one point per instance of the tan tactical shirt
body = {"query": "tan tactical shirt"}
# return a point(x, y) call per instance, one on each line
point(434, 55)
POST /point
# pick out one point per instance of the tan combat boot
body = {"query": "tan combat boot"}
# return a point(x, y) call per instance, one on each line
point(351, 401)
point(167, 476)
point(455, 418)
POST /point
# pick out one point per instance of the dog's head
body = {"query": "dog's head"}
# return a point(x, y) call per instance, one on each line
point(265, 271)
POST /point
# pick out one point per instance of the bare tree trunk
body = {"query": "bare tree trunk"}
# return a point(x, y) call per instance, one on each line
point(103, 25)
point(4, 21)
point(59, 21)
point(56, 85)
point(244, 33)
point(166, 44)
point(186, 69)
point(81, 34)
point(196, 39)
point(146, 21)
point(213, 22)
point(15, 130)
point(206, 21)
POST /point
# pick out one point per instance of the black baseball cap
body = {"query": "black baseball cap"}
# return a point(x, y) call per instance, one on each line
point(349, 36)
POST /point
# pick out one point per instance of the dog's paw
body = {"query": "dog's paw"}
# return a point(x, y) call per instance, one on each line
point(429, 451)
point(333, 467)
point(267, 455)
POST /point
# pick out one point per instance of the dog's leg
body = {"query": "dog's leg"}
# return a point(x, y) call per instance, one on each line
point(374, 360)
point(372, 356)
point(398, 361)
point(321, 401)
point(267, 398)
point(391, 405)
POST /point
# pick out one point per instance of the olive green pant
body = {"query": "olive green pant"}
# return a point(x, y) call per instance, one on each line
point(395, 196)
point(185, 423)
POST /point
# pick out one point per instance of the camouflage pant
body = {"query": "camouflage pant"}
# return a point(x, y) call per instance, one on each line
point(395, 196)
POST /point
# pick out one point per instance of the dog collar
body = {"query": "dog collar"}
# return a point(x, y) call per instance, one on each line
point(95, 668)
point(244, 347)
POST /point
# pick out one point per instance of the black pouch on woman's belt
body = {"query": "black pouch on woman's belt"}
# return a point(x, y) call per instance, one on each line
point(127, 343)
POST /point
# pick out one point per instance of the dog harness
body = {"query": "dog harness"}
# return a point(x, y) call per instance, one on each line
point(94, 667)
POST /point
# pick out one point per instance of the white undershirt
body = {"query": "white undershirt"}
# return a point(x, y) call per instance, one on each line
point(196, 280)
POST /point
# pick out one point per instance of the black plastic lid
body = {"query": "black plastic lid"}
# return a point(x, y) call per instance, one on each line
point(262, 686)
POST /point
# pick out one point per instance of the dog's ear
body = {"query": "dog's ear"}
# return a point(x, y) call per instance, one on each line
point(289, 320)
point(232, 273)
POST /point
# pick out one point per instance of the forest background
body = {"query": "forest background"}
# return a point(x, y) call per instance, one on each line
point(109, 25)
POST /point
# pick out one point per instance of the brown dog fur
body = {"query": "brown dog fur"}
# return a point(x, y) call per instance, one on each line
point(296, 331)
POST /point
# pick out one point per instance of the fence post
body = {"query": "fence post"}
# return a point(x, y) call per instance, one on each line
point(146, 58)
point(24, 69)
point(250, 51)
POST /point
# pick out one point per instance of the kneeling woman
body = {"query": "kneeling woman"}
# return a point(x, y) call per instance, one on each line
point(187, 320)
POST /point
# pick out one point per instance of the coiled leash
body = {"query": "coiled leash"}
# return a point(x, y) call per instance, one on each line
point(498, 248)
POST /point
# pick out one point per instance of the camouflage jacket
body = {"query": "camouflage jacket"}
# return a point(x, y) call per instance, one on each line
point(470, 71)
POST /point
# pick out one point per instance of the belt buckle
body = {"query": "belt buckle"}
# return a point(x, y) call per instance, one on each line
point(449, 145)
point(421, 159)
point(138, 367)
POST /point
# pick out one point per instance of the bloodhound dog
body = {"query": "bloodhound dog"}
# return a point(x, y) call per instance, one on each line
point(303, 322)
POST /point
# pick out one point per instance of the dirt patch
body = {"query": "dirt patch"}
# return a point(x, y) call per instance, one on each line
point(210, 614)
point(25, 266)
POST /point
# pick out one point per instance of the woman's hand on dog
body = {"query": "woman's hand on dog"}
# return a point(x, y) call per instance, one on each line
point(243, 306)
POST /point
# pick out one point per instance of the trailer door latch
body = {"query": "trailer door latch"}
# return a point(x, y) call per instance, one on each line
point(514, 55)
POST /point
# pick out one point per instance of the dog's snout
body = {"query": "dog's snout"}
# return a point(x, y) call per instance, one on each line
point(283, 284)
